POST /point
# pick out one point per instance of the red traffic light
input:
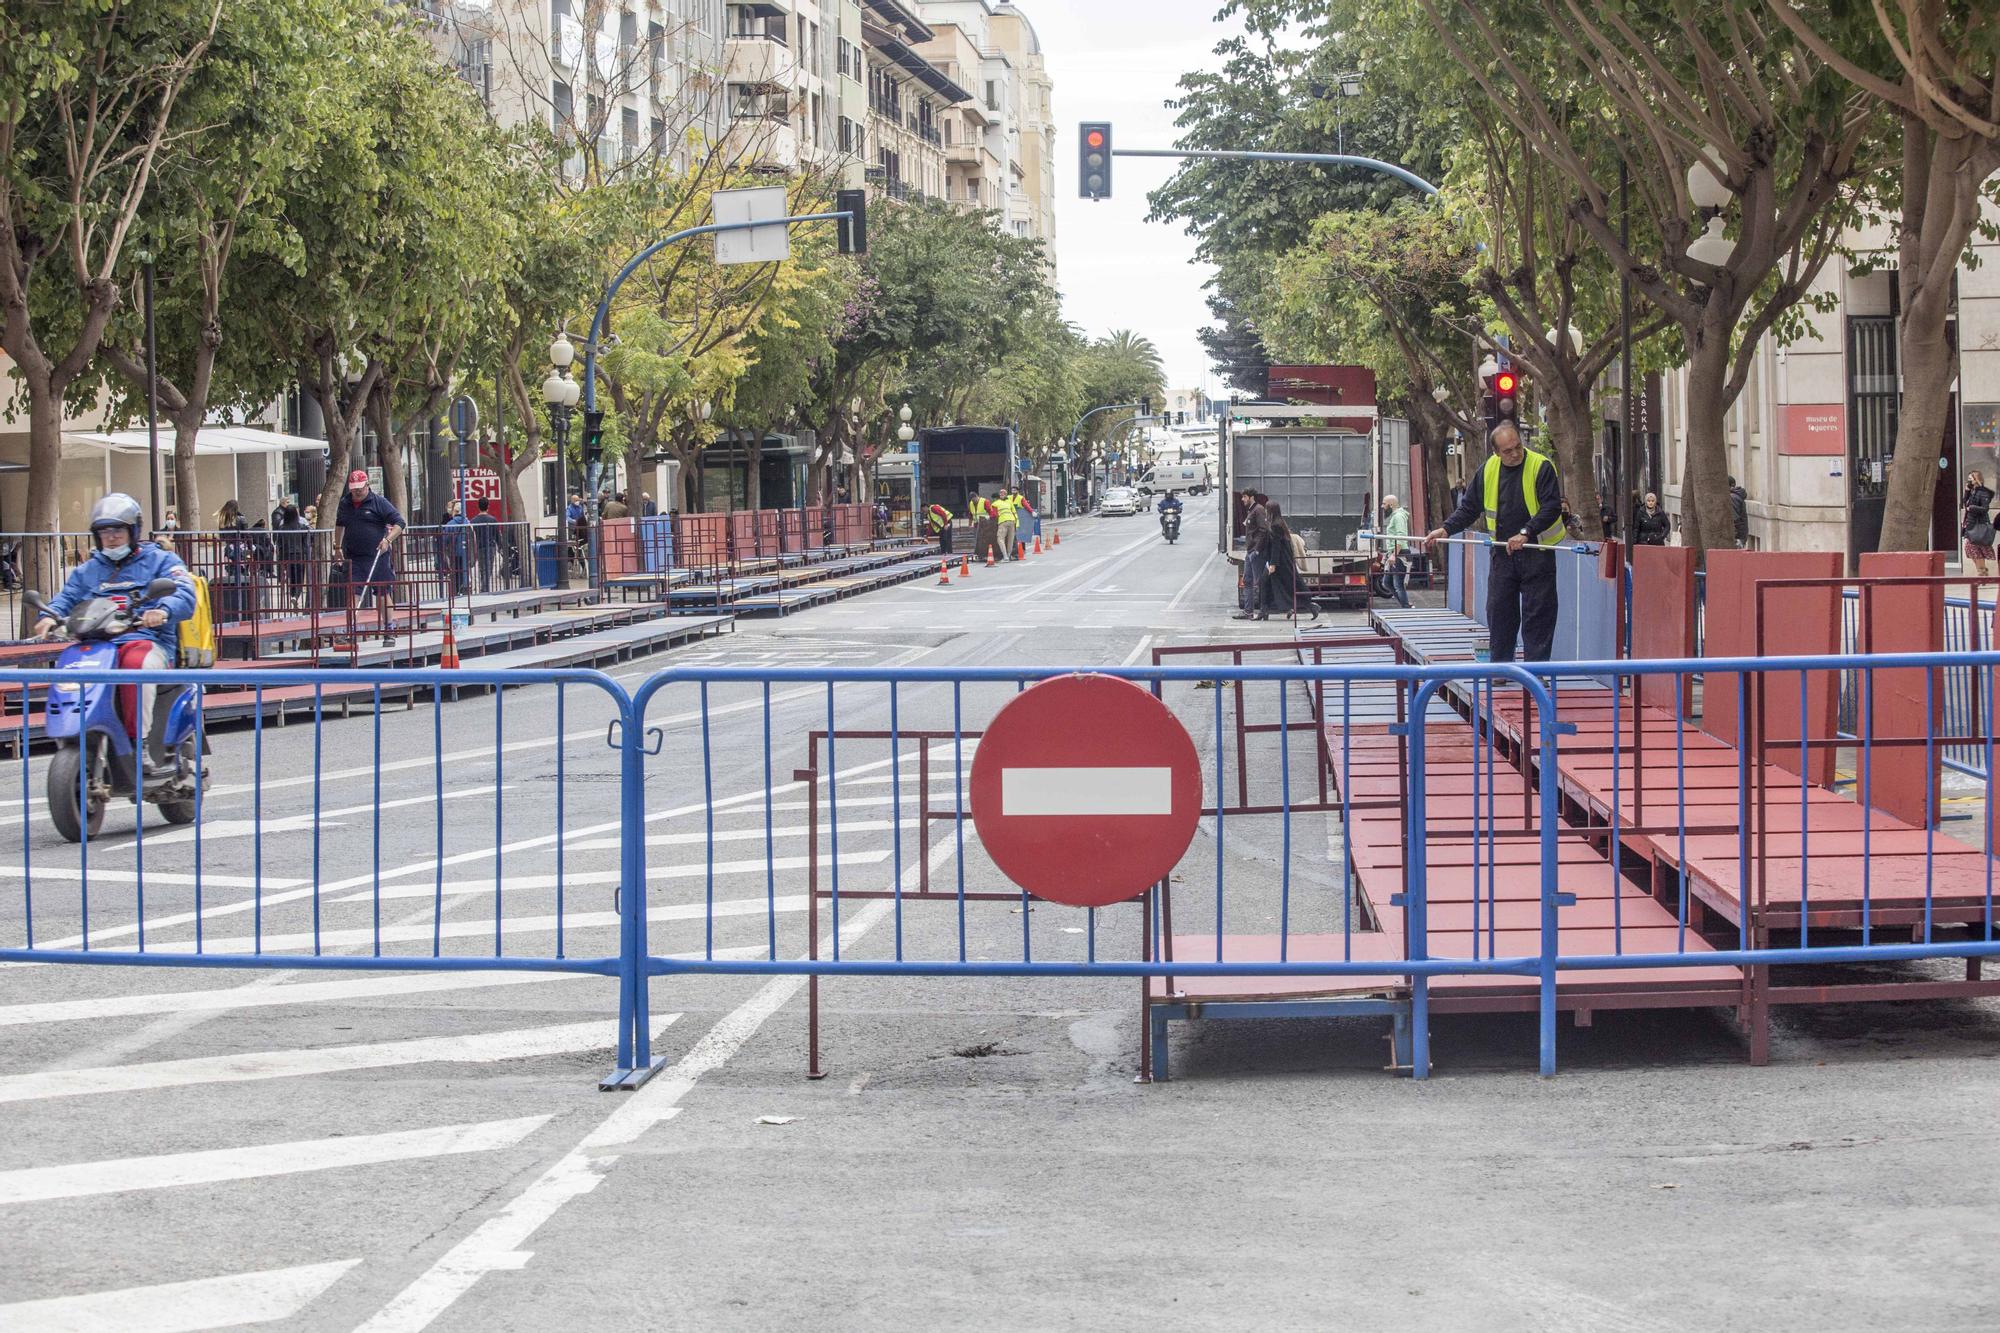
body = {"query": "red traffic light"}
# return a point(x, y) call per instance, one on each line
point(1095, 138)
point(1504, 382)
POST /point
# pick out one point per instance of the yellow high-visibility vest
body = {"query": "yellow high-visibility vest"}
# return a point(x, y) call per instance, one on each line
point(1531, 471)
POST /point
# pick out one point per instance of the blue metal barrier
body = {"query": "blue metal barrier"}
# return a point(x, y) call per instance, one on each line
point(868, 769)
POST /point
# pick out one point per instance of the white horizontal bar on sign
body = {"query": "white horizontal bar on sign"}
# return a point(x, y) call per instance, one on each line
point(1086, 791)
point(180, 1307)
point(118, 1175)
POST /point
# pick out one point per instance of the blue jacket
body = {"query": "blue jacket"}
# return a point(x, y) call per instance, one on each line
point(99, 576)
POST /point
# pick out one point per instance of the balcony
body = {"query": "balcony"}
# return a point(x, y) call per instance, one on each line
point(763, 143)
point(759, 59)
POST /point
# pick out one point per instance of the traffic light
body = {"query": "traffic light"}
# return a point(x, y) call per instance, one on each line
point(1502, 399)
point(1093, 159)
point(853, 229)
point(1145, 407)
point(593, 437)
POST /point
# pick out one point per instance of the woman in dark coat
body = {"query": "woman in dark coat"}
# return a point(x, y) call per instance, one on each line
point(1281, 581)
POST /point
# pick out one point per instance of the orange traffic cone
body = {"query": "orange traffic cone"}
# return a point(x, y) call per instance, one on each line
point(1020, 551)
point(1038, 543)
point(965, 566)
point(989, 557)
point(450, 660)
point(1055, 537)
point(944, 571)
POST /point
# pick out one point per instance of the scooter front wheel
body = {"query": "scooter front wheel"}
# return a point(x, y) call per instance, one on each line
point(65, 800)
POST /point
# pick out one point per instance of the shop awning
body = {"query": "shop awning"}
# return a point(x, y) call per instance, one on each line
point(210, 441)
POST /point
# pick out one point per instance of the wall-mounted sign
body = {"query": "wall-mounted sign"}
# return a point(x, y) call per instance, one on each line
point(1815, 428)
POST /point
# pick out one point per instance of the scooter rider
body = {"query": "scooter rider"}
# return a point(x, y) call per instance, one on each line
point(1169, 504)
point(120, 567)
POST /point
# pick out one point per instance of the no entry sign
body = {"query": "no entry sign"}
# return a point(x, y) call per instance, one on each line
point(1086, 790)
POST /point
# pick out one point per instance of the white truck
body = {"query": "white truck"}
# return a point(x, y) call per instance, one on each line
point(1177, 478)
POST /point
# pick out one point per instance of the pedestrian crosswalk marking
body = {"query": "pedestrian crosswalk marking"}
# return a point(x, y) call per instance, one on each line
point(121, 1175)
point(475, 1048)
point(234, 1301)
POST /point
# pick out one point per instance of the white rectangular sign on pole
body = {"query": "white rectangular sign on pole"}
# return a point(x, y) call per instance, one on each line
point(754, 245)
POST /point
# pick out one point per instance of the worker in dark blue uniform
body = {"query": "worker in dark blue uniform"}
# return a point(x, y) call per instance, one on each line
point(366, 527)
point(1517, 497)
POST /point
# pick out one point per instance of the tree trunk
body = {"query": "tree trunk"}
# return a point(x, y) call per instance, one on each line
point(1576, 458)
point(1941, 202)
point(40, 553)
point(1705, 514)
point(187, 486)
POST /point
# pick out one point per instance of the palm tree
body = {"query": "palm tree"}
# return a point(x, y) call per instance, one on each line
point(1136, 349)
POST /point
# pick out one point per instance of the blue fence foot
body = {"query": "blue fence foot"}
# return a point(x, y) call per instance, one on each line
point(1401, 1054)
point(1159, 1040)
point(629, 1080)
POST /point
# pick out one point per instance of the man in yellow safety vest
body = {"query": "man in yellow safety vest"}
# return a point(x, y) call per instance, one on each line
point(1003, 509)
point(1518, 499)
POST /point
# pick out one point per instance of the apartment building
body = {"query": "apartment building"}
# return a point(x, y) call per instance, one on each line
point(999, 144)
point(1811, 435)
point(908, 99)
point(620, 79)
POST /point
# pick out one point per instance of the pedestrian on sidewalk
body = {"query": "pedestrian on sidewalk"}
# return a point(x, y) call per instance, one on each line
point(1395, 524)
point(365, 529)
point(294, 541)
point(1739, 513)
point(1651, 525)
point(1975, 522)
point(486, 529)
point(1256, 528)
point(1281, 554)
point(456, 550)
point(615, 508)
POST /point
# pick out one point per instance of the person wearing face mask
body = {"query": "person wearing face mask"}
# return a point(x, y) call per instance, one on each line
point(120, 567)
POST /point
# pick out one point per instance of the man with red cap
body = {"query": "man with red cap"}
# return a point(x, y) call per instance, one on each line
point(366, 529)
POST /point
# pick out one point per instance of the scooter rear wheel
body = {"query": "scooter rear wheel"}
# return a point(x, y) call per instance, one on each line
point(182, 812)
point(64, 799)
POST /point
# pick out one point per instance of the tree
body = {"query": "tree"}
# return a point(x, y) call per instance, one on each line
point(1932, 65)
point(1387, 290)
point(88, 99)
point(1670, 83)
point(253, 119)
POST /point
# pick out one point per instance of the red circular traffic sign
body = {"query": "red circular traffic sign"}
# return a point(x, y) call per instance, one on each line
point(1086, 790)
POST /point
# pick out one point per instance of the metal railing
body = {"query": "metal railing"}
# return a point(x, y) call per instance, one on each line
point(1504, 838)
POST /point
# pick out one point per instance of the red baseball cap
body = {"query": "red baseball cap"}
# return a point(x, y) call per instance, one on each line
point(358, 477)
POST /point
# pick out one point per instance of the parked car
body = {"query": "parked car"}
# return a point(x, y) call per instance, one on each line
point(1119, 500)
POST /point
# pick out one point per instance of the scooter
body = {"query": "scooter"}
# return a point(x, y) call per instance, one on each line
point(89, 723)
point(1170, 525)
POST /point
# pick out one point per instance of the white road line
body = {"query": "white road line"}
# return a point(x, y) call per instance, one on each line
point(752, 834)
point(164, 878)
point(300, 823)
point(1200, 573)
point(117, 1175)
point(363, 937)
point(1138, 650)
point(1036, 590)
point(234, 1301)
point(495, 1244)
point(458, 888)
point(273, 996)
point(476, 1048)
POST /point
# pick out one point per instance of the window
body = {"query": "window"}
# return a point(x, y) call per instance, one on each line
point(656, 135)
point(628, 31)
point(628, 133)
point(562, 116)
point(992, 95)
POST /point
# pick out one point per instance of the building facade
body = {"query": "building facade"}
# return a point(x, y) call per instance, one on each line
point(908, 98)
point(1810, 436)
point(999, 144)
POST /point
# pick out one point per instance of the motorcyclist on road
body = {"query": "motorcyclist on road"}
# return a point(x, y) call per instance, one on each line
point(120, 568)
point(1170, 501)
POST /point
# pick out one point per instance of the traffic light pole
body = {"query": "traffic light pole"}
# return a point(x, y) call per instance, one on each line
point(593, 417)
point(1075, 430)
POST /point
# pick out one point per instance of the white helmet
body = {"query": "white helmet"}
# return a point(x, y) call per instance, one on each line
point(116, 510)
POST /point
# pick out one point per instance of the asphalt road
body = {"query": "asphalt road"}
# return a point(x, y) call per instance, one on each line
point(189, 1148)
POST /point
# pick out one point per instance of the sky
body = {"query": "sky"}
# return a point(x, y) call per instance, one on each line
point(1119, 60)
